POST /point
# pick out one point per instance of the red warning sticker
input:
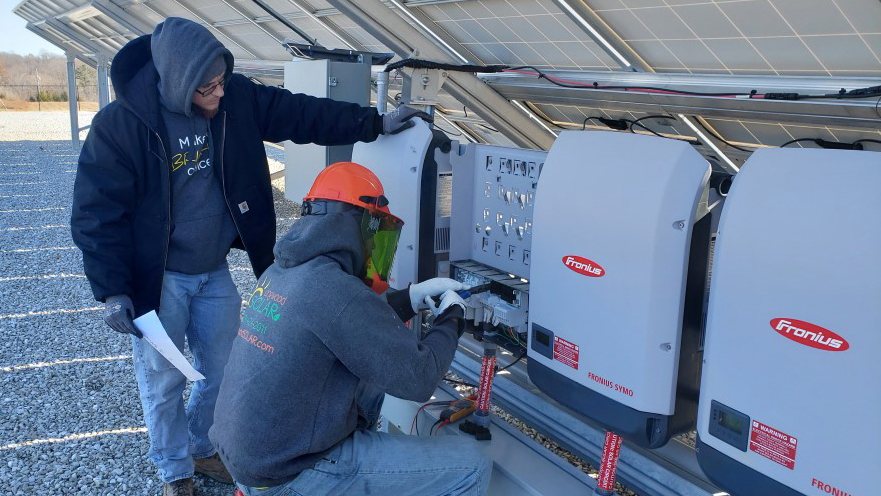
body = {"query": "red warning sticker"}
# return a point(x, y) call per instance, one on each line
point(774, 445)
point(566, 352)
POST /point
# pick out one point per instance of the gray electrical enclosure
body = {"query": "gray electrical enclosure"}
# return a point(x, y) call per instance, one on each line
point(342, 81)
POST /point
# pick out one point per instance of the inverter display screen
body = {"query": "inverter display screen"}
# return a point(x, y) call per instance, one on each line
point(543, 338)
point(730, 422)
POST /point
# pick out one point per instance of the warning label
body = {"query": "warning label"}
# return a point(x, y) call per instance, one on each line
point(566, 352)
point(773, 444)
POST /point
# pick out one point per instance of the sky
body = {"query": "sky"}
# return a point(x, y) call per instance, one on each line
point(16, 38)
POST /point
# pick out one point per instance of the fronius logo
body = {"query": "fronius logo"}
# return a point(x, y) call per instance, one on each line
point(809, 334)
point(583, 266)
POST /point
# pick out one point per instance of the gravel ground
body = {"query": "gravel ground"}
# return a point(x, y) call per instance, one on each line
point(70, 418)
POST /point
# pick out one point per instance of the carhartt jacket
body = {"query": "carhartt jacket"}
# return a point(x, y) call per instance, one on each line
point(122, 196)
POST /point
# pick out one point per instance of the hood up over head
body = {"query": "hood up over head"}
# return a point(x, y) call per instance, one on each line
point(184, 53)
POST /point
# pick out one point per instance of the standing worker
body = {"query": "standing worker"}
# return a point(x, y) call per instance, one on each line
point(317, 350)
point(172, 175)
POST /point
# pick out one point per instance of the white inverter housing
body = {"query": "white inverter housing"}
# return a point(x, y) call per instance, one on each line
point(413, 167)
point(790, 396)
point(615, 221)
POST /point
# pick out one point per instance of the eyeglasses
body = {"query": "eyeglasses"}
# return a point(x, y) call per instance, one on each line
point(212, 88)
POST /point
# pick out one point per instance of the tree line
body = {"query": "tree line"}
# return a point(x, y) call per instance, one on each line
point(43, 77)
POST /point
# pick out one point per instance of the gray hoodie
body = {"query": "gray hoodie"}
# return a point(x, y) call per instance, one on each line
point(202, 230)
point(311, 331)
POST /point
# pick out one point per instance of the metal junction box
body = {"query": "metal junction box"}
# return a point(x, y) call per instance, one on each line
point(618, 264)
point(342, 81)
point(790, 394)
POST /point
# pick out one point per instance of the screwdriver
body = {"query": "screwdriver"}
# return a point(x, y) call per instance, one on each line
point(465, 293)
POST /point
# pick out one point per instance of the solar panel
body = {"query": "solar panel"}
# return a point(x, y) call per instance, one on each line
point(831, 38)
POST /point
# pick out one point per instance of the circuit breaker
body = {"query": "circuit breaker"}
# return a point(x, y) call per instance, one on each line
point(789, 398)
point(618, 262)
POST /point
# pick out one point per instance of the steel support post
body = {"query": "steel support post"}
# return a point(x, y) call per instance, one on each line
point(404, 39)
point(290, 25)
point(103, 86)
point(72, 100)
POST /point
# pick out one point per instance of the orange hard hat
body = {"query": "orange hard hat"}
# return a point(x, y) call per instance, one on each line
point(353, 184)
point(350, 183)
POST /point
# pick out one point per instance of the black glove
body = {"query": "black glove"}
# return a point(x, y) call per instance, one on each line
point(118, 312)
point(401, 118)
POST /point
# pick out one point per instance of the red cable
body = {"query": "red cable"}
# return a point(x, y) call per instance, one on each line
point(431, 403)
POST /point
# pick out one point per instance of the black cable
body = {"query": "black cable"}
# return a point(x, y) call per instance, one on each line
point(797, 141)
point(448, 132)
point(723, 140)
point(461, 383)
point(428, 64)
point(519, 357)
point(834, 145)
point(432, 427)
point(423, 407)
point(876, 107)
point(637, 123)
point(584, 124)
point(540, 115)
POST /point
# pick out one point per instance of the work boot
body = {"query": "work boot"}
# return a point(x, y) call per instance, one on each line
point(180, 487)
point(213, 467)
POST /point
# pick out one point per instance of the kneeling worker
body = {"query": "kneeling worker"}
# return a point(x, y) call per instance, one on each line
point(319, 347)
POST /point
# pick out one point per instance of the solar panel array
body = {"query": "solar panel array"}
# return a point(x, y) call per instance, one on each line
point(829, 39)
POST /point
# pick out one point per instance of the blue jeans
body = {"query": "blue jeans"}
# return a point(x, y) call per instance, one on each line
point(204, 308)
point(383, 464)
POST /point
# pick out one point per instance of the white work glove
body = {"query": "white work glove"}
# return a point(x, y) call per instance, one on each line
point(432, 287)
point(448, 299)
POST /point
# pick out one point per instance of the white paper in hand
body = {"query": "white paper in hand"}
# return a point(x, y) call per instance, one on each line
point(155, 334)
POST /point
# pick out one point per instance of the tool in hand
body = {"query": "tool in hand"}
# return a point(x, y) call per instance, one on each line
point(465, 293)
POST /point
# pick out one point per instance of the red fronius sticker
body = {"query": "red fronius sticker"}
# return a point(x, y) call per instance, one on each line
point(774, 445)
point(583, 266)
point(566, 352)
point(810, 334)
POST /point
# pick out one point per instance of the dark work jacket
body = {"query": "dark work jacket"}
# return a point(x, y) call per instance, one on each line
point(121, 218)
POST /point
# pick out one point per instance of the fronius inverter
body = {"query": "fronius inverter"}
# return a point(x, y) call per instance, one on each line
point(619, 260)
point(790, 395)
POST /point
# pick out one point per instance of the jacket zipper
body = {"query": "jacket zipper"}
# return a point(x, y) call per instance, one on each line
point(167, 211)
point(223, 182)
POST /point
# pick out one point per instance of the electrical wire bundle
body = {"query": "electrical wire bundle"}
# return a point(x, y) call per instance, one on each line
point(628, 124)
